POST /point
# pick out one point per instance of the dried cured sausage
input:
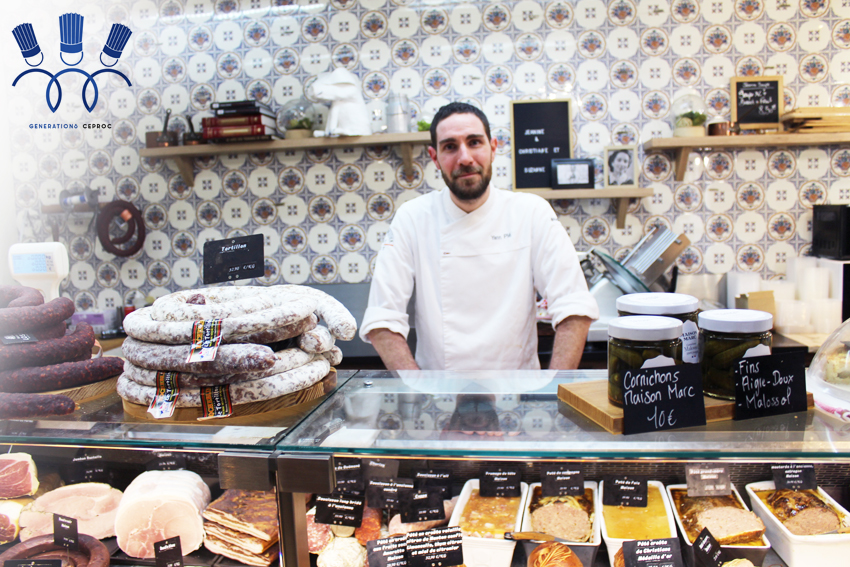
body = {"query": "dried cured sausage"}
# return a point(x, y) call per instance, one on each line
point(34, 405)
point(53, 351)
point(60, 376)
point(19, 296)
point(22, 319)
point(316, 341)
point(230, 359)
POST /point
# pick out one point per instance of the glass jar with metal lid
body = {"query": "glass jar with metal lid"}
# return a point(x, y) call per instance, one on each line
point(677, 305)
point(727, 335)
point(640, 341)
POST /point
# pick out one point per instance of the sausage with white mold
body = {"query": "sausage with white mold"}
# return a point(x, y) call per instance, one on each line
point(230, 359)
point(316, 341)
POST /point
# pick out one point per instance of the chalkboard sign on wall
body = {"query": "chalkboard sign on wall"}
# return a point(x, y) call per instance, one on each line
point(757, 102)
point(540, 132)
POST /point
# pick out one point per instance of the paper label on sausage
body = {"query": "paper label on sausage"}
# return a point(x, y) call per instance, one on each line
point(216, 402)
point(165, 399)
point(206, 336)
point(19, 339)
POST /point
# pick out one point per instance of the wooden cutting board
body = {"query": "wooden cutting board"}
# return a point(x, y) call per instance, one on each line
point(591, 399)
point(89, 391)
point(243, 414)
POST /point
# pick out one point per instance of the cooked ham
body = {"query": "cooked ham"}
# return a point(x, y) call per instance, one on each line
point(10, 512)
point(93, 504)
point(159, 505)
point(18, 476)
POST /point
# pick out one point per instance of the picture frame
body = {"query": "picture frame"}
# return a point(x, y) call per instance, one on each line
point(617, 173)
point(573, 173)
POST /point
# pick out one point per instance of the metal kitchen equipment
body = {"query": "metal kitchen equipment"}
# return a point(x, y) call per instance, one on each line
point(643, 270)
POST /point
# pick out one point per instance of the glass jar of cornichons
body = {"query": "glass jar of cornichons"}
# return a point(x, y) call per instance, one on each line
point(677, 305)
point(640, 341)
point(727, 335)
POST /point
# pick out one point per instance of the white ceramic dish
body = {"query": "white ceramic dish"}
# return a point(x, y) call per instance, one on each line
point(487, 552)
point(755, 553)
point(614, 544)
point(595, 533)
point(795, 550)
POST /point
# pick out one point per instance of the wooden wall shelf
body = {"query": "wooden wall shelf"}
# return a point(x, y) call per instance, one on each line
point(184, 155)
point(621, 196)
point(683, 146)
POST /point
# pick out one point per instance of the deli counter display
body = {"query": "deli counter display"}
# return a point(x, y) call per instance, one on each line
point(460, 436)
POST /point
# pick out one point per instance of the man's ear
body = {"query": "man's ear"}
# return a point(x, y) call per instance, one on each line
point(433, 153)
point(494, 143)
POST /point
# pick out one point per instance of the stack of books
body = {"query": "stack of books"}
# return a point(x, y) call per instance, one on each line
point(240, 121)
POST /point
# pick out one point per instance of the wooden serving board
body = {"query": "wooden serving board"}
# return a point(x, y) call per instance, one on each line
point(243, 414)
point(591, 399)
point(89, 391)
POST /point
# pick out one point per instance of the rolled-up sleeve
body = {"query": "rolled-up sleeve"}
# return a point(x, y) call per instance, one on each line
point(557, 274)
point(392, 284)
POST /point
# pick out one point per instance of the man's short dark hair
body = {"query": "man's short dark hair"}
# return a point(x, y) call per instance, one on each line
point(457, 108)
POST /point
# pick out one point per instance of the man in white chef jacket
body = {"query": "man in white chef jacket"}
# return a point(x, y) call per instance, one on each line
point(475, 256)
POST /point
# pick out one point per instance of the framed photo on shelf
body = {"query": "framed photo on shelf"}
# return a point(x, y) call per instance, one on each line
point(621, 168)
point(572, 173)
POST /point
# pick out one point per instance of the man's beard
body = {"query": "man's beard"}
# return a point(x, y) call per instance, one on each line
point(466, 192)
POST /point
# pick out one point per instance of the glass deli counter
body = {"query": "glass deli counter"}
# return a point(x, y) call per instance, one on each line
point(467, 423)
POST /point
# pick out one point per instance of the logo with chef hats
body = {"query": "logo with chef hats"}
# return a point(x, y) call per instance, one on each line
point(71, 46)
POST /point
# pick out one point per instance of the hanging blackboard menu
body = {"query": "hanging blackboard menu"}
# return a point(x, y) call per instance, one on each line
point(234, 259)
point(757, 102)
point(540, 132)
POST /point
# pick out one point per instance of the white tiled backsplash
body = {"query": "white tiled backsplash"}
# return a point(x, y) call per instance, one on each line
point(324, 213)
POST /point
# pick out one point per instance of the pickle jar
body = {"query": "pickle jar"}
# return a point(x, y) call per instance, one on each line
point(640, 341)
point(676, 305)
point(727, 335)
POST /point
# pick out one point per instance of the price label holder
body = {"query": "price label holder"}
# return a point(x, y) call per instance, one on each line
point(339, 509)
point(561, 480)
point(434, 478)
point(65, 532)
point(379, 468)
point(349, 475)
point(386, 492)
point(770, 385)
point(708, 480)
point(435, 548)
point(624, 490)
point(422, 505)
point(89, 467)
point(707, 551)
point(18, 427)
point(234, 259)
point(658, 399)
point(18, 339)
point(500, 482)
point(168, 552)
point(166, 462)
point(653, 553)
point(387, 552)
point(795, 477)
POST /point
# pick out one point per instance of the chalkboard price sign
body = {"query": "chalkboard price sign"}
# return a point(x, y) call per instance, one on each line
point(540, 132)
point(757, 102)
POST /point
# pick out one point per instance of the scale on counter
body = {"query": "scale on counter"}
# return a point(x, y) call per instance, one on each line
point(42, 265)
point(642, 271)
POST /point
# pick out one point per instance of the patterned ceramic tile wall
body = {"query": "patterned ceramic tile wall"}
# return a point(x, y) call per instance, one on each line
point(324, 213)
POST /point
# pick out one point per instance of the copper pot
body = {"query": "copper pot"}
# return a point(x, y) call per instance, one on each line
point(719, 129)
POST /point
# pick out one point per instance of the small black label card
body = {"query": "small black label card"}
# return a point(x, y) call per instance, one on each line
point(387, 552)
point(500, 482)
point(667, 397)
point(794, 476)
point(434, 478)
point(626, 490)
point(166, 462)
point(349, 475)
point(339, 509)
point(769, 385)
point(707, 551)
point(32, 563)
point(89, 467)
point(379, 468)
point(435, 548)
point(653, 553)
point(386, 492)
point(710, 479)
point(168, 552)
point(234, 259)
point(19, 339)
point(422, 505)
point(19, 427)
point(561, 480)
point(65, 532)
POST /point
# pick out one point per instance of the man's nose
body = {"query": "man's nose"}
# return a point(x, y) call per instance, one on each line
point(464, 155)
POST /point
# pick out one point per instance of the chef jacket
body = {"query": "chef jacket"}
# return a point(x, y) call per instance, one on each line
point(475, 277)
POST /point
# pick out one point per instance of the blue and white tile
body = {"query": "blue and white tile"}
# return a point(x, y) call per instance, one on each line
point(292, 210)
point(719, 196)
point(323, 238)
point(781, 195)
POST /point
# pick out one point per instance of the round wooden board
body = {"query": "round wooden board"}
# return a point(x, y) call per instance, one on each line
point(89, 391)
point(243, 414)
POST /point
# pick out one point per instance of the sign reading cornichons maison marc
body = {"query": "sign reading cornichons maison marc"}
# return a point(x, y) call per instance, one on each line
point(234, 259)
point(540, 131)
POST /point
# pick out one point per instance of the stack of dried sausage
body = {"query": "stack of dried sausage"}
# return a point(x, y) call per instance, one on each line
point(271, 344)
point(57, 361)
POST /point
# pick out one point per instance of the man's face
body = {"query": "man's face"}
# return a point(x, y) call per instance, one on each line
point(464, 155)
